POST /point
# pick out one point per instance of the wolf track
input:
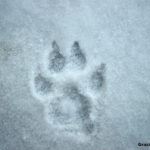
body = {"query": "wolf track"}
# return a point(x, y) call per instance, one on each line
point(70, 93)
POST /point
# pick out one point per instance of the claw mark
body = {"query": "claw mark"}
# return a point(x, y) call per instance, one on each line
point(56, 59)
point(77, 56)
point(42, 84)
point(97, 77)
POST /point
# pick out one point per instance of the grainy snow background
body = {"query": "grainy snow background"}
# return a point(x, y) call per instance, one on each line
point(115, 32)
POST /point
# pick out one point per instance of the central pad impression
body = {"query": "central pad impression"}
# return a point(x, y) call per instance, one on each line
point(64, 111)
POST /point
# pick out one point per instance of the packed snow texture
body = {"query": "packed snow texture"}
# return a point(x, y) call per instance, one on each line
point(74, 74)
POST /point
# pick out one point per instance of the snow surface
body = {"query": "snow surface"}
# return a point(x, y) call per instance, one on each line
point(111, 31)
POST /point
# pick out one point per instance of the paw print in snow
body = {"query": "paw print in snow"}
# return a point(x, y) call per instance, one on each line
point(70, 93)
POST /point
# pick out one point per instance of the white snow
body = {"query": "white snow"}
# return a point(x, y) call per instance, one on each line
point(113, 32)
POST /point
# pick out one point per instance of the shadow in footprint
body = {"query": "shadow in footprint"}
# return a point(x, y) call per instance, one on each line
point(85, 109)
point(56, 59)
point(88, 127)
point(98, 77)
point(73, 93)
point(42, 84)
point(77, 57)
